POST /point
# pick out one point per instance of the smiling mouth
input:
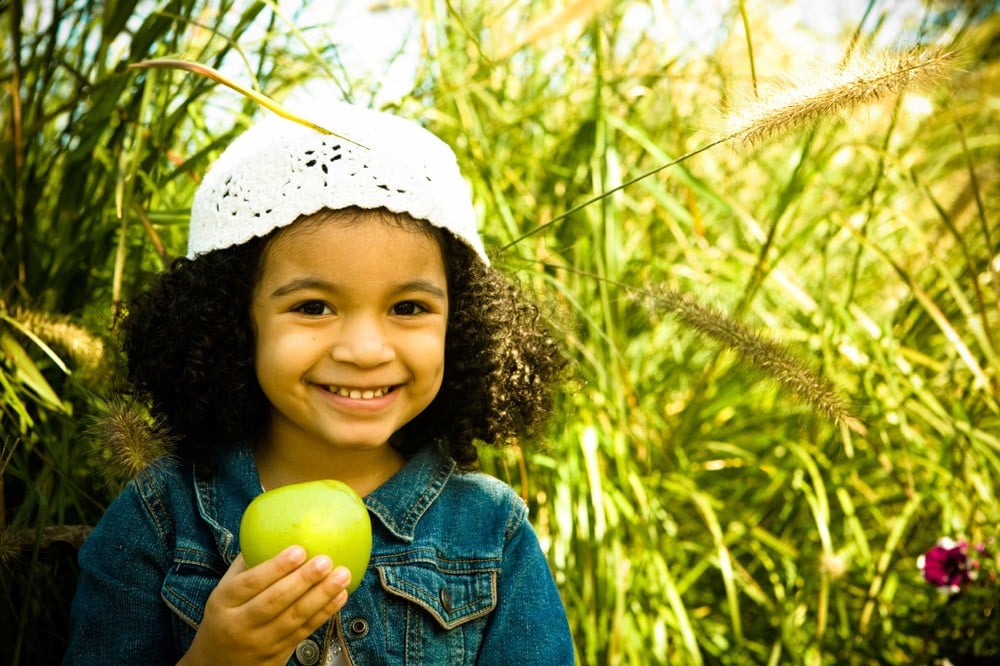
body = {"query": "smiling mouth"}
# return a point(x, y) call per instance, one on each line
point(360, 394)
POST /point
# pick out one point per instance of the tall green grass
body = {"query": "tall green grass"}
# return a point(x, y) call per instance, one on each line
point(98, 168)
point(696, 512)
point(696, 508)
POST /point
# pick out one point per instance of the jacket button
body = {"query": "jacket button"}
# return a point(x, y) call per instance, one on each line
point(445, 599)
point(358, 627)
point(307, 652)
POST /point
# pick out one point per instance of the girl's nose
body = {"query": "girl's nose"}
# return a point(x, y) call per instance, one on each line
point(362, 341)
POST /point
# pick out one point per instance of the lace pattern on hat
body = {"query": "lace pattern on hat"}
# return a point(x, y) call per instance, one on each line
point(279, 171)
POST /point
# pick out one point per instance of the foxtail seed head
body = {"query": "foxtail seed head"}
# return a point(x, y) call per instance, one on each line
point(863, 80)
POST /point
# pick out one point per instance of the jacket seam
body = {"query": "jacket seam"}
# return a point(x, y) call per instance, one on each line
point(515, 519)
point(187, 619)
point(148, 489)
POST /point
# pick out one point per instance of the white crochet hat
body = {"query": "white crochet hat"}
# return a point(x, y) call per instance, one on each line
point(279, 170)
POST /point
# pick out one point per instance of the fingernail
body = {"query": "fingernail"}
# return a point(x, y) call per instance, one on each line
point(342, 576)
point(295, 554)
point(322, 564)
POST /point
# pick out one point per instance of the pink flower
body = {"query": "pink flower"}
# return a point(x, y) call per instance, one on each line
point(947, 565)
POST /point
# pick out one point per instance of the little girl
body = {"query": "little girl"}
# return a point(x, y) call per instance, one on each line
point(336, 318)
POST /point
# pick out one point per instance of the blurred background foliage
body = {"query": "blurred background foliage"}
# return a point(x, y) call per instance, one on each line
point(692, 509)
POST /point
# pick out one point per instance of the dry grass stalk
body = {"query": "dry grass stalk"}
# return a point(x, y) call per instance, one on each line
point(14, 543)
point(85, 350)
point(128, 437)
point(865, 79)
point(568, 20)
point(261, 99)
point(759, 351)
point(10, 546)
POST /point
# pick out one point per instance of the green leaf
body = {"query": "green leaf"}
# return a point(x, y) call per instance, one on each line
point(28, 374)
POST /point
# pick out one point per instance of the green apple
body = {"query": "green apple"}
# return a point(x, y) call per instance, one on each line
point(324, 517)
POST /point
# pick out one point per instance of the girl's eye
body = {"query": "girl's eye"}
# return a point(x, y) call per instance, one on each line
point(407, 309)
point(314, 308)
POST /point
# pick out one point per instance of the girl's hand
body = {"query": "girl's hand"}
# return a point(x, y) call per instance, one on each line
point(259, 615)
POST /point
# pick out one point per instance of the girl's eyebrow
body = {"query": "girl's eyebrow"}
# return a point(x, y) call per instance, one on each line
point(306, 283)
point(299, 284)
point(426, 286)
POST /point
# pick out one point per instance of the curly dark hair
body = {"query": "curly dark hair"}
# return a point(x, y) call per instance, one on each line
point(189, 345)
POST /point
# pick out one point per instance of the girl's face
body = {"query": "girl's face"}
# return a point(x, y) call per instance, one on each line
point(350, 316)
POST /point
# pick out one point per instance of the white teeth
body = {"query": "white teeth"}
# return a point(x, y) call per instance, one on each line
point(357, 394)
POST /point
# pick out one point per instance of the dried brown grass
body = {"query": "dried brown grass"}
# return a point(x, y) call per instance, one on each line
point(865, 79)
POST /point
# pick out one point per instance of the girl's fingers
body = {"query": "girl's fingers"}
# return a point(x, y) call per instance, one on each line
point(241, 584)
point(299, 594)
point(285, 595)
point(331, 608)
point(316, 606)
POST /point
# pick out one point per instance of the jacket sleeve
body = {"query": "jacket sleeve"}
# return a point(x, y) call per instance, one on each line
point(529, 625)
point(117, 614)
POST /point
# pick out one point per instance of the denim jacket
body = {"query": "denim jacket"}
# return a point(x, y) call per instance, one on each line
point(456, 574)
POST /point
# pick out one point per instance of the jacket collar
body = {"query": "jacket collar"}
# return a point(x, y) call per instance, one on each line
point(400, 502)
point(223, 493)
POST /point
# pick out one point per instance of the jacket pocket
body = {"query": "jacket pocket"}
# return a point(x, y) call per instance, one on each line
point(442, 612)
point(452, 598)
point(185, 591)
point(433, 614)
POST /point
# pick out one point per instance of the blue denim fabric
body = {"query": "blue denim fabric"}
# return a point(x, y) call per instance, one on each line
point(456, 574)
